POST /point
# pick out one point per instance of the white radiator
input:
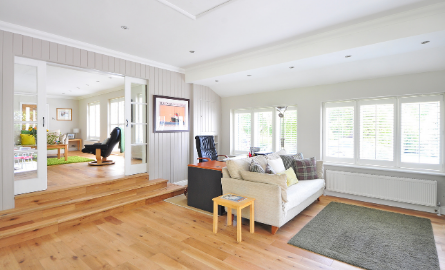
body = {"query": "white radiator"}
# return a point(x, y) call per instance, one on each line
point(398, 189)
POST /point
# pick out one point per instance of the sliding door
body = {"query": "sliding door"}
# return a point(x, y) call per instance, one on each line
point(30, 126)
point(136, 126)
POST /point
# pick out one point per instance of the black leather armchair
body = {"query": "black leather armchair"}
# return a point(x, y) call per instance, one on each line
point(103, 150)
point(205, 145)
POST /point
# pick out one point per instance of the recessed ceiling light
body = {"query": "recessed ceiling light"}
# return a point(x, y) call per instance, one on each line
point(87, 85)
point(63, 93)
point(110, 77)
point(97, 81)
point(426, 41)
point(291, 67)
point(124, 27)
point(78, 87)
point(216, 80)
point(249, 75)
point(347, 56)
point(192, 51)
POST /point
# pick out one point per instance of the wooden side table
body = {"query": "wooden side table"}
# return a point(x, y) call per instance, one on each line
point(78, 142)
point(238, 206)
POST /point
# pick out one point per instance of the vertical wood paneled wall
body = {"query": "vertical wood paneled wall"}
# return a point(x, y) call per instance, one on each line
point(206, 106)
point(169, 153)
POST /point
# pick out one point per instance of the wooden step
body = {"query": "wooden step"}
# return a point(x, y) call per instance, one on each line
point(30, 200)
point(76, 203)
point(54, 224)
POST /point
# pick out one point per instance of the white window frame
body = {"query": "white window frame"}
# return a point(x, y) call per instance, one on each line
point(276, 133)
point(415, 99)
point(396, 163)
point(357, 145)
point(110, 101)
point(92, 138)
point(337, 105)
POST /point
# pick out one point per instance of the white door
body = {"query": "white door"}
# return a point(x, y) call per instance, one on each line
point(136, 126)
point(30, 124)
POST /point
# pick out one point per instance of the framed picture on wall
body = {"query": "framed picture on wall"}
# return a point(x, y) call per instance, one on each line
point(170, 114)
point(64, 114)
point(70, 136)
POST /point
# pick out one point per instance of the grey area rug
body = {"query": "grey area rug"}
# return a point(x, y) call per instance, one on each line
point(370, 238)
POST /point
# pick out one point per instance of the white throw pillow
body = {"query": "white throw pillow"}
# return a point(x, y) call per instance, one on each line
point(277, 165)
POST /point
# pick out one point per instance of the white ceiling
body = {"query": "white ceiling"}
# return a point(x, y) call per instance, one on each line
point(66, 82)
point(158, 32)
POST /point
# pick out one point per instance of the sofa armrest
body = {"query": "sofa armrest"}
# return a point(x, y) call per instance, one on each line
point(268, 202)
point(225, 173)
point(320, 169)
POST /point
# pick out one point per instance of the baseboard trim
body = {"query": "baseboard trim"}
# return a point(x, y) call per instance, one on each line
point(386, 202)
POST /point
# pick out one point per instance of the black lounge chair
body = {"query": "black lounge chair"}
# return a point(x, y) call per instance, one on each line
point(103, 150)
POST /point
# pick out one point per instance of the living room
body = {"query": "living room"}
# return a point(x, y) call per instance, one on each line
point(360, 89)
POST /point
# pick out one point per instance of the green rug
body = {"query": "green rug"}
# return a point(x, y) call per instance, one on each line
point(71, 159)
point(370, 238)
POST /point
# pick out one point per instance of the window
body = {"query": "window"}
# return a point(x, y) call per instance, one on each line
point(340, 131)
point(290, 130)
point(261, 128)
point(94, 120)
point(242, 131)
point(400, 132)
point(377, 131)
point(117, 113)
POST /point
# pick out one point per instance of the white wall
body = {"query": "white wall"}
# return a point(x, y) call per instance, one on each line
point(309, 102)
point(64, 126)
point(206, 114)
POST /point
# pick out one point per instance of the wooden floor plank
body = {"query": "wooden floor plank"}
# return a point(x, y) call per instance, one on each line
point(165, 236)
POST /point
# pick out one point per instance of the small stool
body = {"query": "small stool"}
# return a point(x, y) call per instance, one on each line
point(235, 205)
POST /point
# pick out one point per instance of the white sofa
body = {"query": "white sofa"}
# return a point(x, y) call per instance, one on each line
point(271, 206)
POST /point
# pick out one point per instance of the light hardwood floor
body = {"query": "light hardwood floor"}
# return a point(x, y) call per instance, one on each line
point(75, 174)
point(166, 236)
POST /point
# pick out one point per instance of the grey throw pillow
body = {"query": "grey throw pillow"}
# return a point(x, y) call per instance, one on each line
point(289, 160)
point(256, 167)
point(269, 169)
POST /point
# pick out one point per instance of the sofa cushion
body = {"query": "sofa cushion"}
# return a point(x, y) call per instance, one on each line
point(235, 166)
point(277, 165)
point(289, 160)
point(273, 179)
point(276, 155)
point(291, 176)
point(260, 160)
point(306, 169)
point(256, 167)
point(298, 193)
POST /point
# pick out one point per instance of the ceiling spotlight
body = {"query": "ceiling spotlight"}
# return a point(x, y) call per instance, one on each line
point(216, 80)
point(87, 85)
point(347, 56)
point(63, 93)
point(425, 42)
point(249, 75)
point(110, 77)
point(192, 51)
point(78, 87)
point(97, 81)
point(291, 67)
point(124, 27)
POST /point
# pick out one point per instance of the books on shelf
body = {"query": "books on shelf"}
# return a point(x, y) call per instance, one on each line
point(234, 198)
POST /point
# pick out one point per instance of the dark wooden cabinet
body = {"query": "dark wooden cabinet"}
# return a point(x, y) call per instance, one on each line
point(204, 184)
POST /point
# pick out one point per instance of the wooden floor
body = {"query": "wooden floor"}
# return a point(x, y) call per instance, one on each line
point(166, 236)
point(75, 174)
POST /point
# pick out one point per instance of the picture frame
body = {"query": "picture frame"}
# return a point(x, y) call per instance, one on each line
point(170, 114)
point(71, 136)
point(64, 114)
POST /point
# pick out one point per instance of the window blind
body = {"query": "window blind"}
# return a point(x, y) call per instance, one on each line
point(340, 132)
point(94, 120)
point(377, 132)
point(290, 131)
point(420, 132)
point(263, 130)
point(242, 131)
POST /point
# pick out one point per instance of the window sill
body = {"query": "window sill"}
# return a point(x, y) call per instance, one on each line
point(402, 170)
